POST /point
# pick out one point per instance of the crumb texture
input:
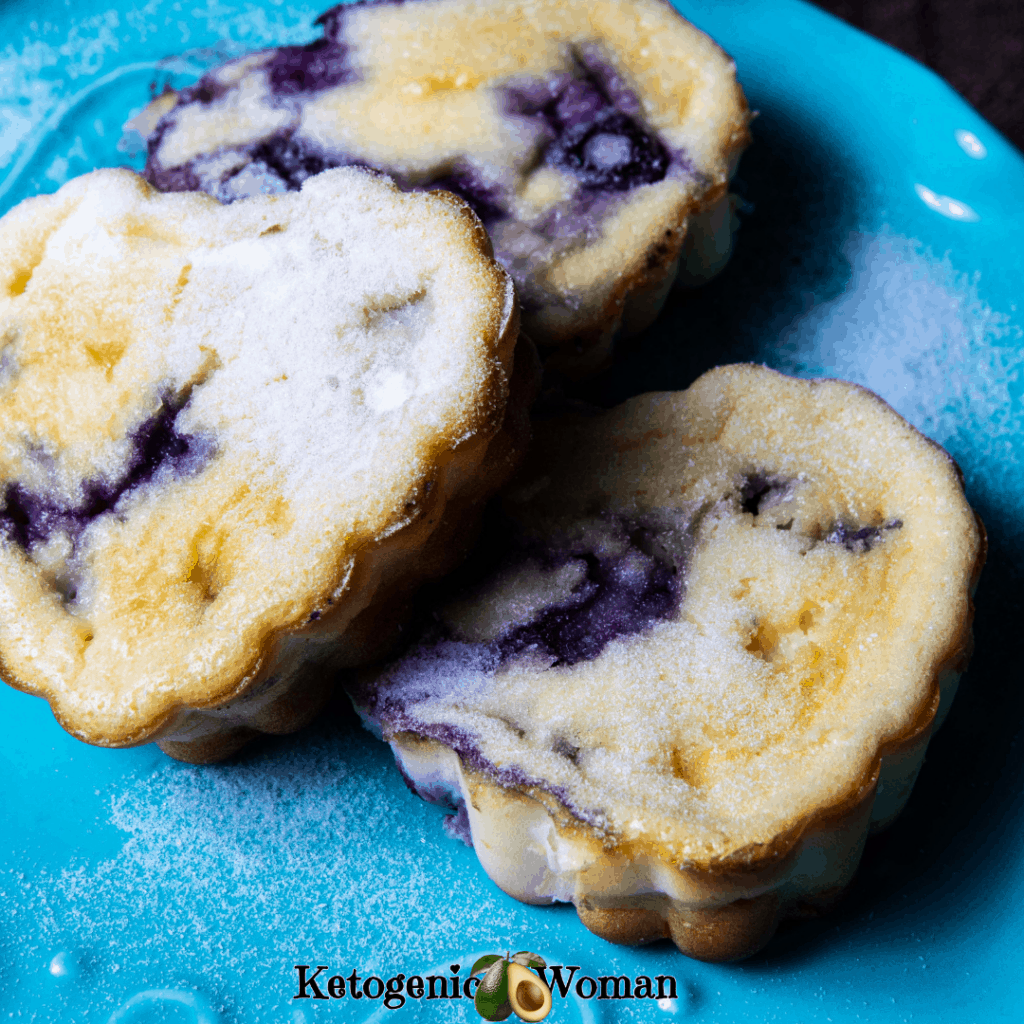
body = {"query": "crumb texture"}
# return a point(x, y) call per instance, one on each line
point(771, 575)
point(583, 134)
point(214, 418)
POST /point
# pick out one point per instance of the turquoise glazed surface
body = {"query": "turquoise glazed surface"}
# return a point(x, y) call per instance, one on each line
point(882, 243)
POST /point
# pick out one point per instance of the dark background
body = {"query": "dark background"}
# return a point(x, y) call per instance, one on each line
point(977, 46)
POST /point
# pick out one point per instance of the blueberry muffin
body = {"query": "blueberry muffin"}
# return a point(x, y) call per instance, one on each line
point(595, 140)
point(234, 439)
point(705, 661)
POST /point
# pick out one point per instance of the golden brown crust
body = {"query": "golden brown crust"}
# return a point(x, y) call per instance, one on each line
point(732, 932)
point(625, 926)
point(739, 928)
point(231, 650)
point(210, 749)
point(638, 862)
point(374, 632)
point(586, 346)
point(481, 69)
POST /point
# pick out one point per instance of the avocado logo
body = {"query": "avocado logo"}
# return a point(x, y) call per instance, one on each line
point(509, 983)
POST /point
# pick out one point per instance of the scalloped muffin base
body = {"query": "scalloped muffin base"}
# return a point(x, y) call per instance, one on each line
point(703, 661)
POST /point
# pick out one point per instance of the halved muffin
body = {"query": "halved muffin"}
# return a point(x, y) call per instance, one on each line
point(705, 660)
point(595, 140)
point(234, 440)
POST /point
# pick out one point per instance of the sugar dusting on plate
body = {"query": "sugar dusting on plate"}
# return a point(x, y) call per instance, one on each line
point(915, 331)
point(309, 851)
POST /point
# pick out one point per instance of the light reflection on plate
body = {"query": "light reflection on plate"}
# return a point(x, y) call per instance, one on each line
point(946, 205)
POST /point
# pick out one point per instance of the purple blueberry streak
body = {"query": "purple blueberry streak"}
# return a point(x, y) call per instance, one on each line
point(620, 596)
point(586, 122)
point(593, 131)
point(761, 491)
point(308, 69)
point(860, 539)
point(157, 446)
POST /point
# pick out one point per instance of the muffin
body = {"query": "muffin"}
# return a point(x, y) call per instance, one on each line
point(594, 140)
point(234, 440)
point(703, 661)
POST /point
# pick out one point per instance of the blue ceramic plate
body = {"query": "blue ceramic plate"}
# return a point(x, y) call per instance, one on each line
point(883, 244)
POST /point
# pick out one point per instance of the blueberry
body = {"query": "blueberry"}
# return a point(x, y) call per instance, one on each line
point(610, 152)
point(304, 69)
point(592, 136)
point(579, 104)
point(620, 601)
point(205, 91)
point(290, 160)
point(28, 518)
point(621, 594)
point(862, 539)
